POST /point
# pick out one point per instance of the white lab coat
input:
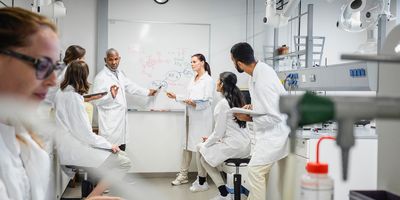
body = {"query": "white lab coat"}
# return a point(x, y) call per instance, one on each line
point(200, 118)
point(271, 131)
point(227, 140)
point(75, 145)
point(24, 168)
point(112, 113)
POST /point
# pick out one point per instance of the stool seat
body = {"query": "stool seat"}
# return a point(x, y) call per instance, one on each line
point(238, 161)
point(237, 177)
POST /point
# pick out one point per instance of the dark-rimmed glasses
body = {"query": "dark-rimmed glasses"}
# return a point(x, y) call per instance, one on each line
point(44, 66)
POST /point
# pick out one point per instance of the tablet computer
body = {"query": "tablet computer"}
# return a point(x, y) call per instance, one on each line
point(94, 94)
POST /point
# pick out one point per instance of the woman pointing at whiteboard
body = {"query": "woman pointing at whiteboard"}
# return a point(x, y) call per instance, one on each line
point(198, 100)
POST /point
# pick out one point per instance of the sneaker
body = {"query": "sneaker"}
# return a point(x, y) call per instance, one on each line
point(180, 179)
point(196, 187)
point(219, 197)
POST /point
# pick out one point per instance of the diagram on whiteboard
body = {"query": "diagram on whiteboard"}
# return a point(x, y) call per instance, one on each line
point(158, 54)
point(172, 77)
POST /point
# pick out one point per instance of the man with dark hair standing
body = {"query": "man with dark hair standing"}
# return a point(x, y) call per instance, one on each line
point(270, 130)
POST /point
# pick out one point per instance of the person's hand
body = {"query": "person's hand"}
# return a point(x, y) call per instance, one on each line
point(190, 102)
point(248, 107)
point(115, 148)
point(152, 92)
point(204, 139)
point(243, 117)
point(171, 95)
point(87, 99)
point(114, 91)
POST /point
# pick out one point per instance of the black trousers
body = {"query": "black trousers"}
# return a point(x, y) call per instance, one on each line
point(122, 147)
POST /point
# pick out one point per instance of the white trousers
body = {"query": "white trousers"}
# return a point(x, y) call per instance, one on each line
point(258, 180)
point(204, 168)
point(186, 159)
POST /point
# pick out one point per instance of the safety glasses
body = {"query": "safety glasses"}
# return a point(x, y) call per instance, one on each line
point(44, 66)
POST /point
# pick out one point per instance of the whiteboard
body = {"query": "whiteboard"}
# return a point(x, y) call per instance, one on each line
point(157, 54)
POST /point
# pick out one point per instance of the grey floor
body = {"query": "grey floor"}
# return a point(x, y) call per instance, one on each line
point(148, 188)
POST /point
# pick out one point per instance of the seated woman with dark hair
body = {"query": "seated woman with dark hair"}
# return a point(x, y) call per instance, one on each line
point(229, 139)
point(81, 147)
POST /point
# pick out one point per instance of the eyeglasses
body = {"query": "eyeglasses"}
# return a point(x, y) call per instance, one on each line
point(44, 66)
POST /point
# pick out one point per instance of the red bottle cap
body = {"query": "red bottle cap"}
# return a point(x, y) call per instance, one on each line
point(317, 168)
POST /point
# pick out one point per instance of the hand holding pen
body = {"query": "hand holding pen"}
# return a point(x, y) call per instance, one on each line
point(153, 92)
point(171, 95)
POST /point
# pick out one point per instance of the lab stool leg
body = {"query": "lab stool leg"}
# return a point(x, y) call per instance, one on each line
point(237, 184)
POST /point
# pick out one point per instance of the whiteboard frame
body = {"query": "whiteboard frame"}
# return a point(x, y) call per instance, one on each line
point(161, 22)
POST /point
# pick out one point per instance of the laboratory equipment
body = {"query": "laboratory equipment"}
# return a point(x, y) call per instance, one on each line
point(387, 130)
point(310, 109)
point(358, 15)
point(316, 184)
point(353, 76)
point(277, 13)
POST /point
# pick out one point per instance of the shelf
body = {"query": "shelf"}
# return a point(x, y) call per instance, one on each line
point(292, 54)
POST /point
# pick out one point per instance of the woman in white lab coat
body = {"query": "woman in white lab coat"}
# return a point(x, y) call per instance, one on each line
point(198, 100)
point(80, 146)
point(24, 37)
point(24, 164)
point(73, 52)
point(230, 138)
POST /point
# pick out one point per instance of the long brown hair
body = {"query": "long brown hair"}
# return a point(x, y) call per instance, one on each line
point(76, 76)
point(72, 53)
point(17, 25)
point(202, 58)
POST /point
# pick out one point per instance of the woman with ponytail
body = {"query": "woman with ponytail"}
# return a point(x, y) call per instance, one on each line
point(229, 139)
point(198, 101)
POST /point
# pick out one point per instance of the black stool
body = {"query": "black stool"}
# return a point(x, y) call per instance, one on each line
point(237, 178)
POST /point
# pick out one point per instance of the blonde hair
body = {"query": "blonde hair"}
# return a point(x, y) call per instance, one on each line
point(17, 24)
point(16, 27)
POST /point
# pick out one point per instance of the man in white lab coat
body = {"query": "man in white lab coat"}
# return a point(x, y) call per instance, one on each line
point(112, 108)
point(271, 130)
